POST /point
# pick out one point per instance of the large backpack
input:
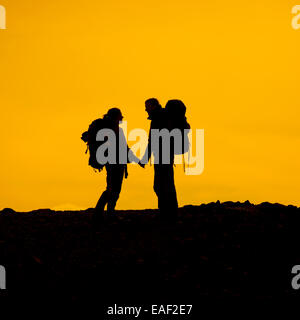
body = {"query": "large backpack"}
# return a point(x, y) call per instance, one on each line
point(175, 113)
point(89, 137)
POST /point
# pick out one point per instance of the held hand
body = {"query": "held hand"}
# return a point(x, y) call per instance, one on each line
point(141, 165)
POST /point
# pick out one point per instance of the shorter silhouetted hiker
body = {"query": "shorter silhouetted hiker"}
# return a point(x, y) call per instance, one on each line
point(115, 172)
point(173, 116)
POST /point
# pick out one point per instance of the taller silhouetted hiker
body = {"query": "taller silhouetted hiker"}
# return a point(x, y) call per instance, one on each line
point(164, 184)
point(115, 171)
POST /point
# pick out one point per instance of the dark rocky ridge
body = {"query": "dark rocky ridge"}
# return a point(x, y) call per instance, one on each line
point(214, 251)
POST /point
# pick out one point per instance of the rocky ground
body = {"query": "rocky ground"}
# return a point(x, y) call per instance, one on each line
point(214, 251)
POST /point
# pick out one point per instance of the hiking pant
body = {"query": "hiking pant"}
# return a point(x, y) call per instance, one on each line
point(110, 196)
point(164, 187)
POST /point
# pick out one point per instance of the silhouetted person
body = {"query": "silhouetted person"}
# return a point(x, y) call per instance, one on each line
point(164, 185)
point(115, 172)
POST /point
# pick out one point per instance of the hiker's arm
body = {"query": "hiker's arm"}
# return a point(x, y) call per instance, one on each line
point(132, 156)
point(148, 152)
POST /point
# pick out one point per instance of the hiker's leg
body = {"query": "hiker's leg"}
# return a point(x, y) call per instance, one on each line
point(117, 179)
point(102, 202)
point(172, 195)
point(163, 192)
point(157, 185)
point(169, 197)
point(99, 209)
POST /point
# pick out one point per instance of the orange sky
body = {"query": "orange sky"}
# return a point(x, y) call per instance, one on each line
point(235, 64)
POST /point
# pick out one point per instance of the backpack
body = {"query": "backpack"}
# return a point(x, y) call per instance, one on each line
point(89, 137)
point(175, 113)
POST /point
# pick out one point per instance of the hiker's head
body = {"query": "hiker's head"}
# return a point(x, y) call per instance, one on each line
point(152, 105)
point(114, 115)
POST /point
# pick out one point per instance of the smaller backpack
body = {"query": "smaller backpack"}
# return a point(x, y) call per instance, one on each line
point(89, 137)
point(175, 112)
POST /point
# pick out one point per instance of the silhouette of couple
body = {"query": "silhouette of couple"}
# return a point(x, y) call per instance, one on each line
point(164, 185)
